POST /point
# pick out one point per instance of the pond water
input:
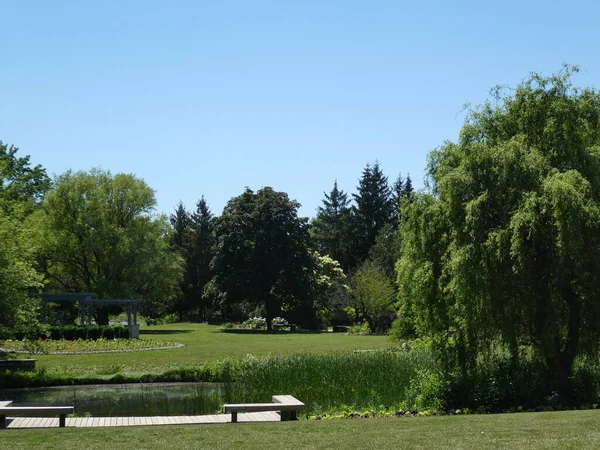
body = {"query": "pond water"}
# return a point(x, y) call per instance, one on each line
point(160, 399)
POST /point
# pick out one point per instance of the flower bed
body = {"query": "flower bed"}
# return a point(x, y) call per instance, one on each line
point(256, 323)
point(80, 346)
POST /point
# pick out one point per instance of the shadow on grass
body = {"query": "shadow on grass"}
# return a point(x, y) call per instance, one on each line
point(276, 333)
point(165, 331)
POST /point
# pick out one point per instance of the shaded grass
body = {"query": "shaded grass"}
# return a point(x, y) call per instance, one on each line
point(205, 343)
point(562, 430)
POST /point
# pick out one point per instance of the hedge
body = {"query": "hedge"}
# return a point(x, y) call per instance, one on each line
point(68, 332)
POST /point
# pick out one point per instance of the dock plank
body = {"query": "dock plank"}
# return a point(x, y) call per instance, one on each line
point(34, 422)
point(87, 422)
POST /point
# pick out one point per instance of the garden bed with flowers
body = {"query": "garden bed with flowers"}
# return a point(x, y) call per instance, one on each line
point(257, 324)
point(82, 346)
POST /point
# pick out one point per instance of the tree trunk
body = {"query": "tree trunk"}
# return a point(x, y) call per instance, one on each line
point(371, 321)
point(562, 365)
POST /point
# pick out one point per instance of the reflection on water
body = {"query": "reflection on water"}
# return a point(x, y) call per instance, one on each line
point(161, 399)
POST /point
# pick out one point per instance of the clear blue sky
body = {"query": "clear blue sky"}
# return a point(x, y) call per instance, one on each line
point(201, 97)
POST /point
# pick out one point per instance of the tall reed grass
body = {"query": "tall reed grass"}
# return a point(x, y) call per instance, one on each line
point(333, 381)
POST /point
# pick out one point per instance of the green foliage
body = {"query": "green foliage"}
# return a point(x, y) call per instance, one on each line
point(97, 332)
point(402, 329)
point(19, 182)
point(68, 332)
point(505, 248)
point(329, 290)
point(262, 254)
point(387, 249)
point(402, 190)
point(99, 234)
point(18, 276)
point(343, 317)
point(323, 381)
point(203, 242)
point(362, 329)
point(373, 210)
point(373, 293)
point(330, 229)
point(21, 187)
point(427, 391)
point(98, 345)
point(194, 239)
point(254, 323)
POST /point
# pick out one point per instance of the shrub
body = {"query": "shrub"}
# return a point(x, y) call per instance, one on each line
point(343, 317)
point(360, 330)
point(279, 321)
point(73, 332)
point(254, 323)
point(402, 329)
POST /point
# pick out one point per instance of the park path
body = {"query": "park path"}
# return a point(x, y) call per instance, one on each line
point(85, 422)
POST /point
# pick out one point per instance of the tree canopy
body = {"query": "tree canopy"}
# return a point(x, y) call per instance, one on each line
point(18, 180)
point(373, 209)
point(330, 229)
point(99, 234)
point(21, 187)
point(262, 252)
point(506, 246)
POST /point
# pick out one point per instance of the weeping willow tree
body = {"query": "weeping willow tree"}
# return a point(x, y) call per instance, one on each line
point(505, 248)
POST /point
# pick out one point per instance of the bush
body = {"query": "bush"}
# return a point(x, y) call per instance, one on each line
point(360, 330)
point(73, 332)
point(428, 390)
point(402, 329)
point(22, 332)
point(343, 317)
point(384, 321)
point(279, 321)
point(254, 323)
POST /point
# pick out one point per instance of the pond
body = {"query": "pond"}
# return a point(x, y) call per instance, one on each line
point(160, 399)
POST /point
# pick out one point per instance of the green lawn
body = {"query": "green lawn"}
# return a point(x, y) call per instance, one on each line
point(561, 430)
point(205, 343)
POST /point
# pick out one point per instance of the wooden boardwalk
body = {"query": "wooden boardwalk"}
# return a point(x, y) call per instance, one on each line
point(85, 422)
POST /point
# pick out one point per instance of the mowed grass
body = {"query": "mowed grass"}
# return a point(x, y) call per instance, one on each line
point(560, 430)
point(205, 343)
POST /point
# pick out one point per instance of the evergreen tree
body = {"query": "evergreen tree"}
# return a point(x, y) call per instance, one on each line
point(180, 221)
point(201, 253)
point(407, 189)
point(330, 228)
point(397, 195)
point(180, 242)
point(372, 211)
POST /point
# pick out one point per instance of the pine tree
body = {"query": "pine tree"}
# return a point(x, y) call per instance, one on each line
point(180, 221)
point(330, 228)
point(407, 190)
point(202, 250)
point(397, 195)
point(372, 211)
point(180, 241)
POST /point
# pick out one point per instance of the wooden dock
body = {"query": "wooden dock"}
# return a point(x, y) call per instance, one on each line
point(86, 422)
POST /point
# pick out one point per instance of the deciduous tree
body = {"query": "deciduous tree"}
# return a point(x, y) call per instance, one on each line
point(100, 234)
point(506, 248)
point(262, 252)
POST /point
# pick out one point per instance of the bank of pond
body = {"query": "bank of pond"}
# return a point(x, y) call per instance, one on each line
point(385, 381)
